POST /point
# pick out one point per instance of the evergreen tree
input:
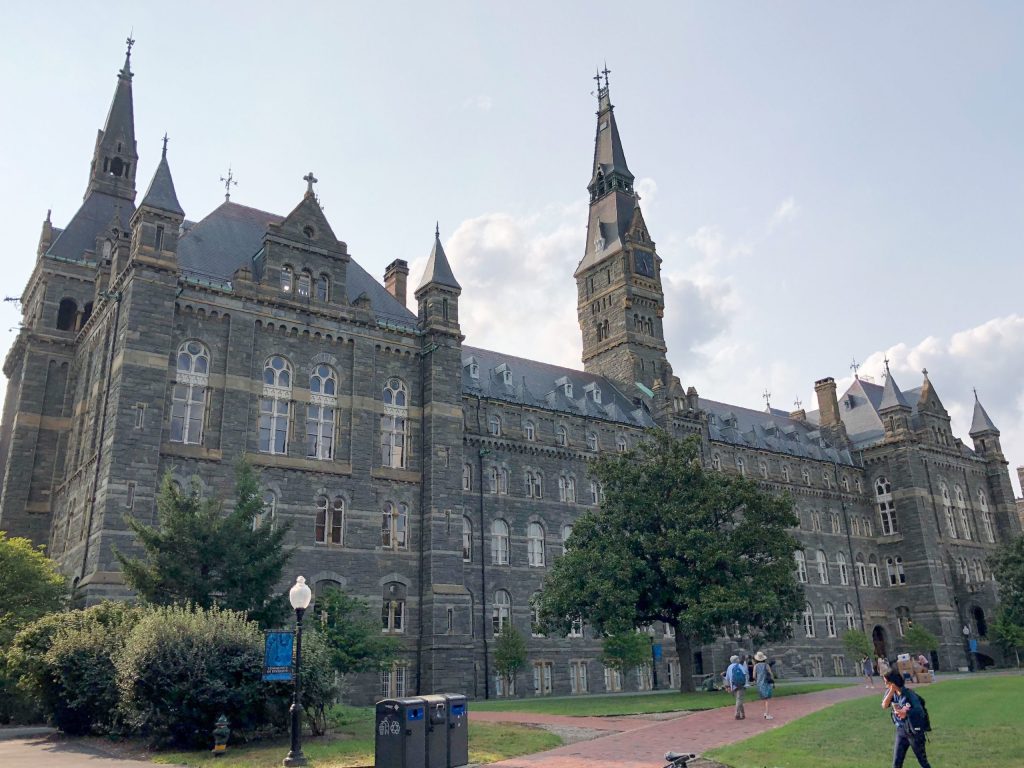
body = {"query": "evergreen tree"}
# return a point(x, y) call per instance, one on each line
point(706, 553)
point(198, 555)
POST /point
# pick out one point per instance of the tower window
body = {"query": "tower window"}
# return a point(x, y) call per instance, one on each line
point(158, 243)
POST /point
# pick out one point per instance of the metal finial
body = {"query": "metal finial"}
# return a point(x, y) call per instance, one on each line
point(606, 72)
point(228, 180)
point(130, 42)
point(975, 390)
point(887, 365)
point(797, 403)
point(165, 144)
point(767, 400)
point(437, 230)
point(925, 372)
point(310, 180)
point(855, 366)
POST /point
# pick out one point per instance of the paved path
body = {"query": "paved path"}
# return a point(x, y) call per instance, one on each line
point(644, 745)
point(52, 752)
point(593, 723)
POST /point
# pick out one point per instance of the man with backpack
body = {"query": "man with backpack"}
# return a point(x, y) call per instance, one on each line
point(736, 681)
point(910, 718)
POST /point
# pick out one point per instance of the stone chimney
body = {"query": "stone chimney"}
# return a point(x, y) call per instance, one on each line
point(396, 275)
point(798, 415)
point(829, 422)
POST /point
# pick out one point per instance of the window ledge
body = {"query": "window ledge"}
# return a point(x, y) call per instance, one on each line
point(191, 451)
point(391, 473)
point(288, 462)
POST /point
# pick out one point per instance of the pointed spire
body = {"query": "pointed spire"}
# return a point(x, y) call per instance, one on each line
point(115, 157)
point(609, 157)
point(981, 423)
point(892, 397)
point(161, 194)
point(438, 271)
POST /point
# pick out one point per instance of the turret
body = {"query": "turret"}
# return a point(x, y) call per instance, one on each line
point(984, 433)
point(894, 409)
point(439, 291)
point(157, 221)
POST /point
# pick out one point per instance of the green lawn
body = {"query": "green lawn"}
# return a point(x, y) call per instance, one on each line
point(351, 744)
point(975, 724)
point(632, 704)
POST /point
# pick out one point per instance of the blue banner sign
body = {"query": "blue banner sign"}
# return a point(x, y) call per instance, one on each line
point(657, 651)
point(974, 645)
point(277, 656)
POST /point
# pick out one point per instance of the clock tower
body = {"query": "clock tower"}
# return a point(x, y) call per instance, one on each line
point(620, 301)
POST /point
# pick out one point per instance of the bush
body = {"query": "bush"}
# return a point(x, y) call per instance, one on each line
point(64, 663)
point(183, 667)
point(319, 686)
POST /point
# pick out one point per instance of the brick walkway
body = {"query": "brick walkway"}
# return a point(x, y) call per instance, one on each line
point(639, 743)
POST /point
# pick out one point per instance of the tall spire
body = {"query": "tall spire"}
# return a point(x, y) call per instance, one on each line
point(115, 156)
point(892, 397)
point(981, 424)
point(438, 271)
point(612, 199)
point(161, 194)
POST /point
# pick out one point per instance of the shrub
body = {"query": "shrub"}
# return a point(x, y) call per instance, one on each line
point(319, 685)
point(183, 667)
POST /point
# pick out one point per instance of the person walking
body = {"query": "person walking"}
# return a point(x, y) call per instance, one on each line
point(883, 667)
point(868, 670)
point(908, 716)
point(736, 680)
point(765, 681)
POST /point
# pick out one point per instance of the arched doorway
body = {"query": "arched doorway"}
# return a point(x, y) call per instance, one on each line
point(980, 625)
point(878, 639)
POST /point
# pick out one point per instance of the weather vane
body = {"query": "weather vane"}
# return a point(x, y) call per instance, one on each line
point(767, 399)
point(229, 181)
point(797, 403)
point(855, 366)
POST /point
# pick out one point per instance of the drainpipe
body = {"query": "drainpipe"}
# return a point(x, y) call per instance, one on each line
point(849, 548)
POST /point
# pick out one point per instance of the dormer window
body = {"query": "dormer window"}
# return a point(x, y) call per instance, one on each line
point(594, 391)
point(474, 368)
point(565, 385)
point(505, 372)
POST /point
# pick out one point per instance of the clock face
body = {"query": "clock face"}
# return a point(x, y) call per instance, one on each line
point(644, 263)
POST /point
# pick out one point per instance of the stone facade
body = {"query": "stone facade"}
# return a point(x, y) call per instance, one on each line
point(438, 480)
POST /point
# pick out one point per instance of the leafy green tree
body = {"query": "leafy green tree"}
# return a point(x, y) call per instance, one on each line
point(199, 556)
point(30, 586)
point(918, 639)
point(1008, 570)
point(625, 650)
point(509, 654)
point(1007, 635)
point(351, 634)
point(857, 643)
point(701, 551)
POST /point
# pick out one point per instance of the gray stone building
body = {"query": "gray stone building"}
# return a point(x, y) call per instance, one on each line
point(435, 479)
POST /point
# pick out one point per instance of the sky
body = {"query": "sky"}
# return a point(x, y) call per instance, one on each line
point(826, 182)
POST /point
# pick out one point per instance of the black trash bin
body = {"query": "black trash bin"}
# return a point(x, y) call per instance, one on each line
point(458, 730)
point(401, 734)
point(437, 730)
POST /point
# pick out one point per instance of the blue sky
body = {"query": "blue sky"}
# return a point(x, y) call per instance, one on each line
point(824, 181)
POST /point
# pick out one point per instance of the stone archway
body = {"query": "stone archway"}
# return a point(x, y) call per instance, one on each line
point(878, 639)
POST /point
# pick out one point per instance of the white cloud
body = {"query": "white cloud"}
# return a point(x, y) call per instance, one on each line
point(788, 210)
point(482, 102)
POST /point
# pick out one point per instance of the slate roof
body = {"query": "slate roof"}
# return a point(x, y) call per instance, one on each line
point(775, 431)
point(438, 270)
point(537, 384)
point(215, 247)
point(981, 423)
point(891, 395)
point(161, 194)
point(90, 220)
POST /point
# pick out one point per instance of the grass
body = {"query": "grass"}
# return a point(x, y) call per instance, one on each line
point(351, 744)
point(633, 704)
point(975, 724)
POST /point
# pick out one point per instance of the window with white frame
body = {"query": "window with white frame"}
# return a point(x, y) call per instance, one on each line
point(268, 513)
point(566, 533)
point(961, 569)
point(716, 462)
point(816, 521)
point(188, 396)
point(977, 571)
point(534, 485)
point(816, 666)
point(903, 622)
point(855, 526)
point(330, 520)
point(323, 401)
point(873, 570)
point(830, 619)
point(961, 508)
point(801, 566)
point(592, 441)
point(851, 621)
point(529, 431)
point(644, 677)
point(499, 542)
point(826, 478)
point(741, 466)
point(844, 573)
point(274, 404)
point(986, 518)
point(394, 526)
point(576, 628)
point(837, 526)
point(838, 666)
point(846, 483)
point(620, 444)
point(947, 508)
point(567, 489)
point(763, 467)
point(501, 612)
point(822, 567)
point(670, 631)
point(808, 620)
point(561, 435)
point(578, 677)
point(612, 680)
point(785, 473)
point(862, 570)
point(304, 285)
point(806, 475)
point(894, 570)
point(535, 544)
point(504, 686)
point(886, 506)
point(394, 424)
point(868, 527)
point(392, 681)
point(535, 627)
point(494, 425)
point(323, 288)
point(467, 540)
point(467, 477)
point(392, 616)
point(542, 678)
point(287, 276)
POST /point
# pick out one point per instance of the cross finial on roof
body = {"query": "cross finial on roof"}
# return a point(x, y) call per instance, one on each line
point(228, 180)
point(797, 403)
point(925, 372)
point(310, 180)
point(886, 365)
point(855, 366)
point(597, 77)
point(130, 42)
point(767, 399)
point(437, 230)
point(606, 72)
point(165, 144)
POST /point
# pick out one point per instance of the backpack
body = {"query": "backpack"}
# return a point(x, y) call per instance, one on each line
point(737, 677)
point(925, 723)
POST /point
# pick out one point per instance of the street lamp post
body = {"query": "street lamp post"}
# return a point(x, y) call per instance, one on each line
point(299, 596)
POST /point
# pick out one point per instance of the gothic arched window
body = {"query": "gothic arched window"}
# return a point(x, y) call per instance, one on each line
point(501, 614)
point(323, 400)
point(274, 404)
point(844, 574)
point(801, 566)
point(886, 507)
point(830, 619)
point(535, 544)
point(947, 507)
point(287, 277)
point(499, 542)
point(961, 506)
point(394, 526)
point(986, 517)
point(393, 424)
point(330, 520)
point(808, 620)
point(188, 397)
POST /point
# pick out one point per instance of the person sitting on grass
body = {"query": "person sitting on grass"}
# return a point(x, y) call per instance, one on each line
point(765, 681)
point(908, 717)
